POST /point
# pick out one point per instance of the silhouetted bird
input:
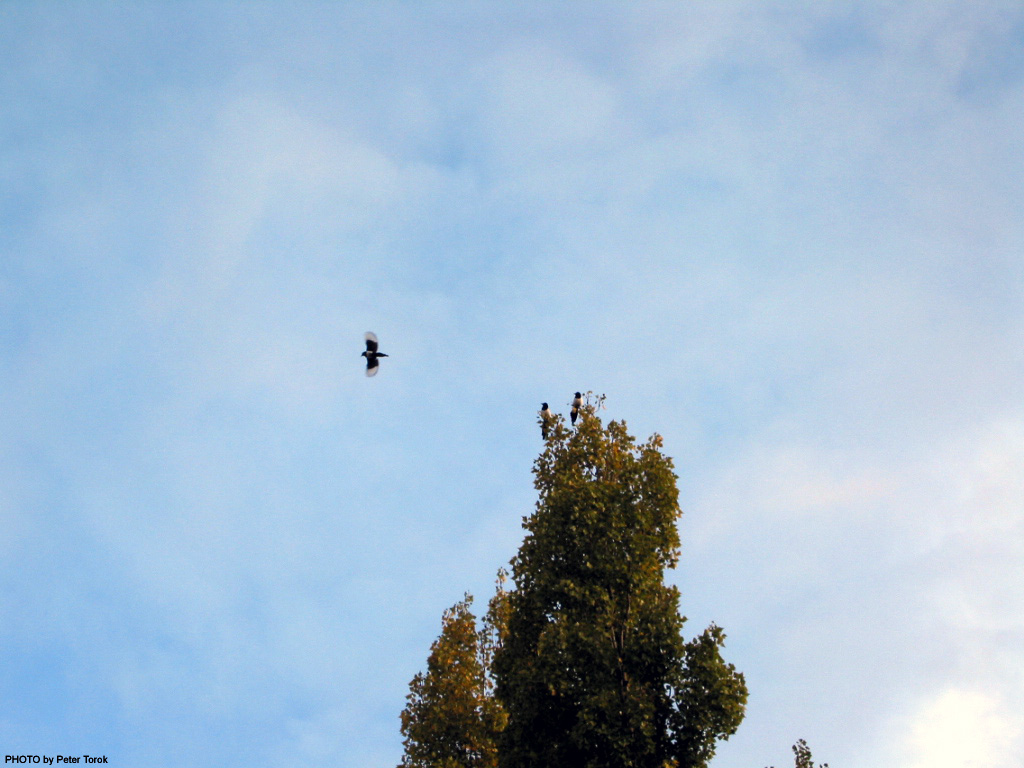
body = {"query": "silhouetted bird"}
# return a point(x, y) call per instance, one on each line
point(545, 420)
point(577, 403)
point(371, 354)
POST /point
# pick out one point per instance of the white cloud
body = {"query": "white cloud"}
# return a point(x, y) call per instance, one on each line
point(961, 728)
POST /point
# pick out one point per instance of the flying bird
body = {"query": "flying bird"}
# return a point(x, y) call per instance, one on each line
point(371, 354)
point(545, 420)
point(577, 403)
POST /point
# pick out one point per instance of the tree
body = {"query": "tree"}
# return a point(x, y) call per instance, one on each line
point(592, 670)
point(803, 756)
point(451, 719)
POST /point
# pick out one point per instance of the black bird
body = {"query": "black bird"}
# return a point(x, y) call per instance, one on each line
point(545, 420)
point(577, 403)
point(371, 354)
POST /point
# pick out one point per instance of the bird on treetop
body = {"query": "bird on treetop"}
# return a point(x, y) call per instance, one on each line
point(545, 420)
point(371, 354)
point(577, 403)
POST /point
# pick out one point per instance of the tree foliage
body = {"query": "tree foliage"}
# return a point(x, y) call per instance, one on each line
point(451, 719)
point(593, 670)
point(802, 754)
point(583, 662)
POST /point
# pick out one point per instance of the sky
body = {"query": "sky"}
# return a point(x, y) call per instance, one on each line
point(786, 236)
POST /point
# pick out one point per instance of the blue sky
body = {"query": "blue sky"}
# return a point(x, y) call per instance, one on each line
point(786, 236)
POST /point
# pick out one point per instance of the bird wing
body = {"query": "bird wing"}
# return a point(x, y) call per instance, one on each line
point(372, 366)
point(371, 342)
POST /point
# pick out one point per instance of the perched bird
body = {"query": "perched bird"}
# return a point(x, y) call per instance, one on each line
point(545, 420)
point(371, 354)
point(577, 403)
